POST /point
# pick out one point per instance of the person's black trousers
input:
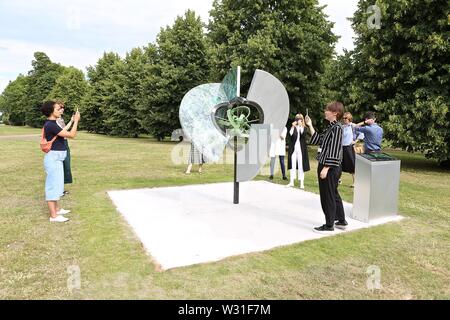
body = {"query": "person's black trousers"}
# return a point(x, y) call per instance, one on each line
point(329, 195)
point(283, 168)
point(66, 165)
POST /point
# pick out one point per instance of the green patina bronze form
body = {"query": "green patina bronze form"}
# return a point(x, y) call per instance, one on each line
point(238, 122)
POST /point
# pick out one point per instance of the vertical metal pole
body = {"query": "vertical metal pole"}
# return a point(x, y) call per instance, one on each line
point(238, 82)
point(236, 184)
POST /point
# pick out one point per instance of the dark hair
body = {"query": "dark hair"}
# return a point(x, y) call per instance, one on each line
point(47, 108)
point(336, 106)
point(370, 115)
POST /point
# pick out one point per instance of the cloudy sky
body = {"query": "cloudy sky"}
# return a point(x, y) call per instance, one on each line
point(77, 32)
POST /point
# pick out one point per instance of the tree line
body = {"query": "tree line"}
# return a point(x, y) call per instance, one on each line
point(400, 70)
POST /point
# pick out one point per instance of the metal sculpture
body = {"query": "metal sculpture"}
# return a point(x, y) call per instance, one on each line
point(215, 115)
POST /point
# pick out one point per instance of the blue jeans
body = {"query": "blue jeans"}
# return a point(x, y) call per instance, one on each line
point(54, 184)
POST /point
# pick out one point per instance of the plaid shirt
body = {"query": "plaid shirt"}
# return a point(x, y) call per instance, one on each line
point(60, 122)
point(330, 145)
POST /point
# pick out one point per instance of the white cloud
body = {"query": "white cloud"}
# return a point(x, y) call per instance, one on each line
point(3, 83)
point(339, 12)
point(77, 32)
point(18, 55)
point(141, 16)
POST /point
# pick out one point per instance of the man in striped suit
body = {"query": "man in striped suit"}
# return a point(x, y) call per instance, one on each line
point(329, 169)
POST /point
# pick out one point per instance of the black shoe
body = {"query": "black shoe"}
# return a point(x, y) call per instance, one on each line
point(271, 177)
point(285, 178)
point(341, 224)
point(65, 192)
point(324, 229)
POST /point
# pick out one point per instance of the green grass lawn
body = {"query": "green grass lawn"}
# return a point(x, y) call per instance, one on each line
point(35, 255)
point(9, 130)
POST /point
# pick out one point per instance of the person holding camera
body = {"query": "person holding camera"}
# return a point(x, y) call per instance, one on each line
point(298, 161)
point(53, 160)
point(329, 170)
point(67, 161)
point(373, 133)
point(348, 143)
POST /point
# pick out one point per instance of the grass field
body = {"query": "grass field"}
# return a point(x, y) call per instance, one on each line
point(35, 255)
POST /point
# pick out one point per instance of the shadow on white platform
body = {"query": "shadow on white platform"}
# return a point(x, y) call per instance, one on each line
point(181, 226)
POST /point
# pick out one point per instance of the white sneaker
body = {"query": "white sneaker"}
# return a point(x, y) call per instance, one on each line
point(62, 212)
point(290, 185)
point(58, 219)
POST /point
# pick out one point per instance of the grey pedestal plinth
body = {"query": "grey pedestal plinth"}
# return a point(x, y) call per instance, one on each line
point(376, 188)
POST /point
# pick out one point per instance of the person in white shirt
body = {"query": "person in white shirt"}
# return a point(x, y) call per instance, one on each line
point(298, 161)
point(348, 149)
point(278, 149)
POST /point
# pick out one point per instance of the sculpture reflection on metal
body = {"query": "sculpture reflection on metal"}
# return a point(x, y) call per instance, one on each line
point(214, 116)
point(195, 119)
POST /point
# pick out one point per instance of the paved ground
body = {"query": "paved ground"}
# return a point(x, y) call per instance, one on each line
point(181, 226)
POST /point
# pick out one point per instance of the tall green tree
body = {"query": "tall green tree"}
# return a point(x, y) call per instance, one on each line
point(340, 83)
point(147, 86)
point(100, 88)
point(14, 101)
point(291, 39)
point(181, 64)
point(122, 112)
point(70, 87)
point(402, 71)
point(2, 107)
point(42, 78)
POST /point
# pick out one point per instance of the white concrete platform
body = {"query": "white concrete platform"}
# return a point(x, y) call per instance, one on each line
point(181, 226)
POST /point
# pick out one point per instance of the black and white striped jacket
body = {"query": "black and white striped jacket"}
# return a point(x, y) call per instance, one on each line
point(330, 145)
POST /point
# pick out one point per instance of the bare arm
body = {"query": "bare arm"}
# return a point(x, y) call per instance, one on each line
point(73, 132)
point(67, 127)
point(70, 123)
point(360, 124)
point(308, 123)
point(291, 131)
